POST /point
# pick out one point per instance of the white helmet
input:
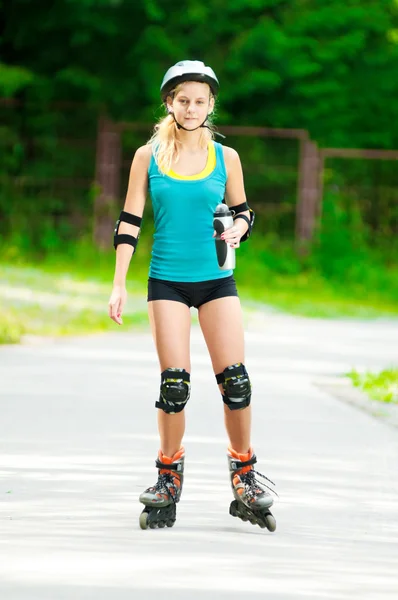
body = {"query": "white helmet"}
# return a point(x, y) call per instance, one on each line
point(188, 70)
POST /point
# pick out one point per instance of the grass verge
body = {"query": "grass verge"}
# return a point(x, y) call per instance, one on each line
point(381, 386)
point(68, 293)
point(312, 296)
point(273, 274)
point(36, 302)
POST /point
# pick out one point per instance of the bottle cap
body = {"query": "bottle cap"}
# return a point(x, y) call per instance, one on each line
point(222, 210)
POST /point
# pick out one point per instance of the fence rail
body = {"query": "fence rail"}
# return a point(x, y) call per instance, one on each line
point(286, 174)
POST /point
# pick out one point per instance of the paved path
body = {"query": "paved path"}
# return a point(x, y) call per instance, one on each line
point(78, 442)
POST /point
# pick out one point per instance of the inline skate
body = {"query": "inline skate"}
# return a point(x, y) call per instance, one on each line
point(252, 502)
point(160, 500)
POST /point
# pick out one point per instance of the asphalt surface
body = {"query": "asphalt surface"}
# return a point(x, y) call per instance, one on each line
point(78, 441)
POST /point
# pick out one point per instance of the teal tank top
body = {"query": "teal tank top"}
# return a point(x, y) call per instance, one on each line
point(183, 247)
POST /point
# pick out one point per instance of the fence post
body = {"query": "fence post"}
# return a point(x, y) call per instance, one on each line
point(107, 176)
point(308, 193)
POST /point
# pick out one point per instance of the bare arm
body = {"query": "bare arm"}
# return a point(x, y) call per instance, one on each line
point(134, 204)
point(235, 192)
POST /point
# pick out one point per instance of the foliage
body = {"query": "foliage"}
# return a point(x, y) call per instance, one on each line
point(11, 329)
point(13, 80)
point(350, 282)
point(327, 66)
point(66, 296)
point(381, 386)
point(270, 271)
point(36, 302)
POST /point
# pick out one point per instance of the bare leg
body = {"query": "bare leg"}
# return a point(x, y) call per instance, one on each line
point(238, 426)
point(222, 325)
point(170, 323)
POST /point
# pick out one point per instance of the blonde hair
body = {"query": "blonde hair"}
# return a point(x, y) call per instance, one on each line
point(166, 146)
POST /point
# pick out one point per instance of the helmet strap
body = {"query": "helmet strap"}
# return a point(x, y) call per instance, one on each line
point(184, 128)
point(179, 126)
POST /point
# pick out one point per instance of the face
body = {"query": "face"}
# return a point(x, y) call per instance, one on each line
point(191, 104)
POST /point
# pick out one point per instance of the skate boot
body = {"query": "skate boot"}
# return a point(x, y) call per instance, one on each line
point(161, 499)
point(252, 502)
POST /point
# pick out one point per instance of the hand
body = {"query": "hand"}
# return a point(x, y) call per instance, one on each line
point(116, 303)
point(232, 236)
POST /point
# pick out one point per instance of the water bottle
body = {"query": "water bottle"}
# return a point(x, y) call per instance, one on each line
point(223, 220)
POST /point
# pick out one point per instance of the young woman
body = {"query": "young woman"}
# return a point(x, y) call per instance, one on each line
point(187, 175)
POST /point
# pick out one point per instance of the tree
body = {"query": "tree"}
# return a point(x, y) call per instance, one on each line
point(323, 65)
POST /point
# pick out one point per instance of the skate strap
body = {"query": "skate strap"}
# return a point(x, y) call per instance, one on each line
point(130, 218)
point(239, 208)
point(237, 370)
point(245, 219)
point(238, 464)
point(169, 466)
point(180, 374)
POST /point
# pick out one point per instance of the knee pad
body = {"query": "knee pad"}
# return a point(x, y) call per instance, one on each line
point(236, 386)
point(175, 389)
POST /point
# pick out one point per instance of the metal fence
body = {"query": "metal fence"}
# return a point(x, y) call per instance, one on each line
point(278, 177)
point(68, 169)
point(286, 177)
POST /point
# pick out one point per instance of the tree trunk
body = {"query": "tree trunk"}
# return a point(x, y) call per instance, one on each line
point(107, 179)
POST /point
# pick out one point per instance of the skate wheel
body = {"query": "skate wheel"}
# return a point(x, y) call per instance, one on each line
point(270, 522)
point(143, 520)
point(169, 523)
point(233, 509)
point(161, 524)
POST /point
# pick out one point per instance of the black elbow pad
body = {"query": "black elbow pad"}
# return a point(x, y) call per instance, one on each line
point(249, 222)
point(124, 238)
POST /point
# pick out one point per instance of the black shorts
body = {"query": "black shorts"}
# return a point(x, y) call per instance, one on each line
point(191, 293)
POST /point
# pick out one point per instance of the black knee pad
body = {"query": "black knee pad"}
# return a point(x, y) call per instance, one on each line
point(236, 385)
point(175, 389)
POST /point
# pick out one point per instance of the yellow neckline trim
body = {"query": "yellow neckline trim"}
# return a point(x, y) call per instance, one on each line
point(210, 166)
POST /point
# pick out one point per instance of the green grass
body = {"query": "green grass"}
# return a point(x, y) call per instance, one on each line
point(381, 386)
point(36, 319)
point(317, 285)
point(11, 328)
point(310, 295)
point(68, 293)
point(39, 302)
